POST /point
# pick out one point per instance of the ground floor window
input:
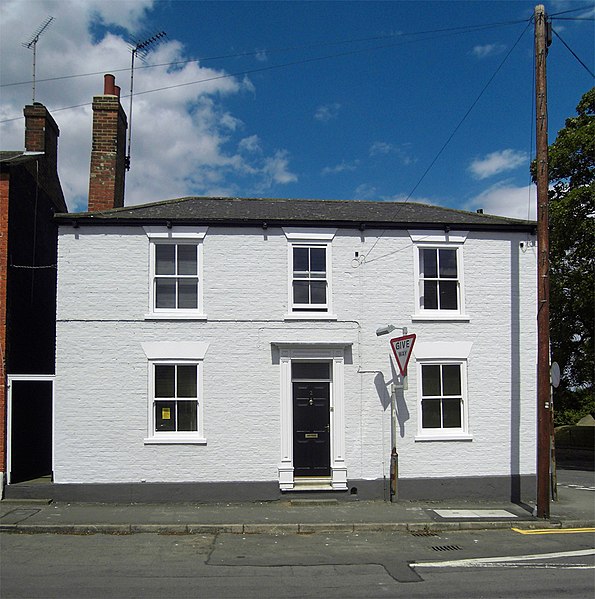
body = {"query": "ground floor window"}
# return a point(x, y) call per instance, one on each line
point(176, 397)
point(175, 391)
point(443, 398)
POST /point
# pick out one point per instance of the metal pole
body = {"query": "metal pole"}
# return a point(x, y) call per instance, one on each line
point(34, 53)
point(543, 310)
point(130, 110)
point(394, 456)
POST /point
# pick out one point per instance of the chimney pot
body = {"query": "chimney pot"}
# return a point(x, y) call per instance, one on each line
point(109, 82)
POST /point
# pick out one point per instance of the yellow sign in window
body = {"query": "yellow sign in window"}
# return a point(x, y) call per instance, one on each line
point(165, 413)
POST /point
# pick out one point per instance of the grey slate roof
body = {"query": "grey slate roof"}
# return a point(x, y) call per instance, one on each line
point(276, 212)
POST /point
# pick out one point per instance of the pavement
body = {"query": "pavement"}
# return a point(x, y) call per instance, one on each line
point(574, 508)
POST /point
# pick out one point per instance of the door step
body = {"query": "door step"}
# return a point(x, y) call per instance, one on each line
point(313, 483)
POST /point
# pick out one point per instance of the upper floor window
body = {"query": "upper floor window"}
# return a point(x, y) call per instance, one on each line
point(176, 276)
point(310, 273)
point(439, 288)
point(175, 272)
point(310, 283)
point(438, 279)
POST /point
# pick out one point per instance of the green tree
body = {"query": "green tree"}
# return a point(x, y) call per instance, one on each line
point(572, 251)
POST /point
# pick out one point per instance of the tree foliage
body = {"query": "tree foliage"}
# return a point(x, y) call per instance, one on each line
point(572, 264)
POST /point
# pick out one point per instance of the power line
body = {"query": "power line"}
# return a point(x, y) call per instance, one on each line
point(446, 33)
point(573, 53)
point(453, 30)
point(467, 113)
point(565, 12)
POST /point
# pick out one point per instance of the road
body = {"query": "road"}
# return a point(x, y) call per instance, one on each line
point(319, 565)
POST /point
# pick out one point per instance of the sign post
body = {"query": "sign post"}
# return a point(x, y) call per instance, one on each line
point(402, 347)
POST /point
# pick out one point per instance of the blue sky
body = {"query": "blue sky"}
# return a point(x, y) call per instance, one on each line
point(369, 94)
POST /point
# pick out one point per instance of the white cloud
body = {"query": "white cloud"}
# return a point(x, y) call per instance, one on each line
point(261, 56)
point(184, 139)
point(250, 144)
point(327, 112)
point(380, 147)
point(401, 151)
point(486, 50)
point(497, 162)
point(276, 168)
point(340, 168)
point(505, 199)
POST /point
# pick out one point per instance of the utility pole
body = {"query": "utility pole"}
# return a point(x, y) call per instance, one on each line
point(543, 282)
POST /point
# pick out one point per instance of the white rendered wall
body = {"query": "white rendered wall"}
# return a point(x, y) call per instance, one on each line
point(102, 371)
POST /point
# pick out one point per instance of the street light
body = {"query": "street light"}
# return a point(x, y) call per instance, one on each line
point(389, 328)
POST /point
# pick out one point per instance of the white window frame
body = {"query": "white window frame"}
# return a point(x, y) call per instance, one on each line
point(443, 353)
point(310, 238)
point(438, 240)
point(176, 236)
point(174, 353)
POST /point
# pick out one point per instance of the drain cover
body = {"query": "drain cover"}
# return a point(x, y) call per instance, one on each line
point(446, 548)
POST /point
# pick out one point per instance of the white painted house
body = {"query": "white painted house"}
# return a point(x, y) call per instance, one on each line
point(230, 344)
point(220, 348)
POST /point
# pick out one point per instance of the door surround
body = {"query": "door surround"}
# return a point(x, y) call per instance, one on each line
point(335, 354)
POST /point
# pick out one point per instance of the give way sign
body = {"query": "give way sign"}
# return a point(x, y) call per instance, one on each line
point(402, 347)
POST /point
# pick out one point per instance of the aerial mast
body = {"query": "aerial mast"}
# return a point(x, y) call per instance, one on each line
point(141, 49)
point(32, 44)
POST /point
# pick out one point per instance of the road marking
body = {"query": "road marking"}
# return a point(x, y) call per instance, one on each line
point(552, 531)
point(578, 487)
point(488, 561)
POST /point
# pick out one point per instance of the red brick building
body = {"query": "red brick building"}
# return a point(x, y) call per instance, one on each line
point(30, 195)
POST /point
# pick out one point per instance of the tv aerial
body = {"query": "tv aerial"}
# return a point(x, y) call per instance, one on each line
point(140, 49)
point(32, 44)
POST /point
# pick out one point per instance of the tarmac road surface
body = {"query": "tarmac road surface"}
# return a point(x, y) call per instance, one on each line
point(346, 565)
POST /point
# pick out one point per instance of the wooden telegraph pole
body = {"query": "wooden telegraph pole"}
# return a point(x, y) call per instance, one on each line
point(543, 283)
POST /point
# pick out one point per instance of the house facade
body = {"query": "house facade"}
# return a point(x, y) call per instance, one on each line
point(228, 348)
point(30, 195)
point(220, 348)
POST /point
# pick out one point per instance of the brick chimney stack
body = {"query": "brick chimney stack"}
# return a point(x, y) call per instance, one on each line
point(41, 134)
point(108, 152)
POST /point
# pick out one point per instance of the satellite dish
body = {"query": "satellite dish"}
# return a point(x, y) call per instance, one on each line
point(555, 374)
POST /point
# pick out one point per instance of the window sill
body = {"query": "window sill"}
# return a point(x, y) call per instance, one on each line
point(441, 317)
point(310, 316)
point(443, 437)
point(175, 441)
point(175, 315)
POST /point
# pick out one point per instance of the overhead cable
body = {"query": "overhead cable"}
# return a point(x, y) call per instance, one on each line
point(467, 113)
point(574, 53)
point(265, 68)
point(453, 30)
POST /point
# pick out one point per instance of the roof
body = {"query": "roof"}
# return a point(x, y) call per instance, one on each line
point(277, 212)
point(49, 182)
point(10, 157)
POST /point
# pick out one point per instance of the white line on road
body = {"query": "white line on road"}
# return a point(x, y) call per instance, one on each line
point(487, 561)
